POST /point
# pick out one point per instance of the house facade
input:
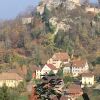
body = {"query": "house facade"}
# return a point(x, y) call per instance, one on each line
point(10, 79)
point(92, 10)
point(47, 68)
point(36, 72)
point(27, 20)
point(58, 59)
point(67, 69)
point(75, 1)
point(78, 67)
point(87, 79)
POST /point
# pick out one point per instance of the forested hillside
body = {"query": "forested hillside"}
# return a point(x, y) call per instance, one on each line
point(59, 29)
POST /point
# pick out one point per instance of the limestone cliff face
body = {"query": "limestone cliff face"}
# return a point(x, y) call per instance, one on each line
point(72, 18)
point(50, 4)
point(55, 21)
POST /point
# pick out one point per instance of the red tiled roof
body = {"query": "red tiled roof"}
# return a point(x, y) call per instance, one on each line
point(87, 74)
point(34, 68)
point(63, 98)
point(10, 76)
point(73, 88)
point(51, 66)
point(79, 63)
point(61, 56)
point(54, 98)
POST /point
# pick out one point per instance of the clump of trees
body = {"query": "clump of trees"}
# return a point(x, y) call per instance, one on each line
point(7, 93)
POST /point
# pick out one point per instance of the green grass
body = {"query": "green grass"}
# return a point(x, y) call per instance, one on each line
point(80, 98)
point(95, 95)
point(23, 98)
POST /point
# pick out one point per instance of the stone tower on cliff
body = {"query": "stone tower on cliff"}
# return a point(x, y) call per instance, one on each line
point(76, 1)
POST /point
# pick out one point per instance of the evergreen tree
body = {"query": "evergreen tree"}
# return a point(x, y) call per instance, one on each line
point(29, 75)
point(60, 72)
point(37, 59)
point(51, 73)
point(4, 95)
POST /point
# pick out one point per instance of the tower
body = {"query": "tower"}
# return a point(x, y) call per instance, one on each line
point(76, 1)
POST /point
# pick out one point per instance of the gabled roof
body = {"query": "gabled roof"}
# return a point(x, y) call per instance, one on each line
point(53, 97)
point(63, 56)
point(10, 76)
point(51, 66)
point(74, 88)
point(87, 74)
point(34, 68)
point(79, 63)
point(63, 98)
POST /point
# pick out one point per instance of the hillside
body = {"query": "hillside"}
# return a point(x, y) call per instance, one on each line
point(55, 26)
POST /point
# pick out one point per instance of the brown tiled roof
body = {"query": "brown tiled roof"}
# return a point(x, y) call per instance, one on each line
point(61, 56)
point(10, 76)
point(51, 66)
point(87, 74)
point(63, 98)
point(73, 88)
point(67, 65)
point(78, 63)
point(54, 97)
point(34, 68)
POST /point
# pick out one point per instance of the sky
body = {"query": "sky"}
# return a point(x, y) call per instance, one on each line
point(9, 9)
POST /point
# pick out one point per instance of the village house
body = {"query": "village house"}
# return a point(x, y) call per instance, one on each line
point(74, 91)
point(59, 59)
point(75, 1)
point(87, 79)
point(78, 67)
point(92, 10)
point(75, 68)
point(27, 20)
point(47, 68)
point(10, 79)
point(36, 72)
point(67, 69)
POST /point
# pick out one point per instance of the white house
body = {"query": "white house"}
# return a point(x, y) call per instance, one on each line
point(79, 66)
point(27, 20)
point(47, 68)
point(58, 59)
point(10, 79)
point(75, 1)
point(36, 72)
point(87, 79)
point(67, 69)
point(92, 9)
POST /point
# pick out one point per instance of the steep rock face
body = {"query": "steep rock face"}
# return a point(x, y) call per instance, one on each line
point(58, 21)
point(70, 17)
point(58, 25)
point(51, 4)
